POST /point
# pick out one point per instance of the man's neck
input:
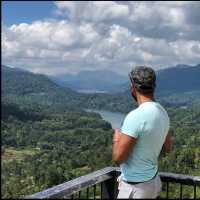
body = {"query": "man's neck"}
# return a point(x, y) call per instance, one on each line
point(142, 99)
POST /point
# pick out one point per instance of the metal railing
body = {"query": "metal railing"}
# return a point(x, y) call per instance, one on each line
point(105, 181)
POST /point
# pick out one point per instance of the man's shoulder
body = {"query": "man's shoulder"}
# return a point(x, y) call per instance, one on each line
point(133, 113)
point(146, 110)
point(149, 106)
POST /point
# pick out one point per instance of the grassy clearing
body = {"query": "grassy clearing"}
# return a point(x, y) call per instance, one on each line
point(13, 154)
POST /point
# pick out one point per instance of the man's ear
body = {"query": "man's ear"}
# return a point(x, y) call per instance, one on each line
point(134, 93)
point(134, 90)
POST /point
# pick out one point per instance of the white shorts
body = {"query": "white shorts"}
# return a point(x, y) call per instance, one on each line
point(147, 190)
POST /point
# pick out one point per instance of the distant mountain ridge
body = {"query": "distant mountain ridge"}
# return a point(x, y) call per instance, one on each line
point(13, 69)
point(180, 78)
point(100, 80)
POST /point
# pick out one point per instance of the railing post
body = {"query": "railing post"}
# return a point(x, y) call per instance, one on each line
point(109, 187)
point(195, 191)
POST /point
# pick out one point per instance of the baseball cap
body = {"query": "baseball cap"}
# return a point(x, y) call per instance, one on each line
point(143, 78)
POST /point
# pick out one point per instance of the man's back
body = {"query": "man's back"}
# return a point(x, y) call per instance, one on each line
point(149, 123)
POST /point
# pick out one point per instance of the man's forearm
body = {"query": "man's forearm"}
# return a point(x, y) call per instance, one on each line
point(167, 146)
point(165, 150)
point(122, 147)
point(115, 141)
point(114, 151)
point(116, 157)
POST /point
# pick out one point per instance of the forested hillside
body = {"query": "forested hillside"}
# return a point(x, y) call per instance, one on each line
point(35, 88)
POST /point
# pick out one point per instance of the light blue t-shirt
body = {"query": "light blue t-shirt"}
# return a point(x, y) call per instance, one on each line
point(149, 123)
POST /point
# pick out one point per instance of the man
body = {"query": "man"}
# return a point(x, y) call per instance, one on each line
point(144, 133)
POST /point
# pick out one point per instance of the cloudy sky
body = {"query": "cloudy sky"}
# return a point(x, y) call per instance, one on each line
point(67, 37)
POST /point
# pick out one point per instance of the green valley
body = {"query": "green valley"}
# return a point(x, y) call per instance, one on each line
point(47, 137)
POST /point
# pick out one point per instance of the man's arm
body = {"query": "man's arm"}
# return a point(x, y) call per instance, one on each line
point(167, 146)
point(122, 146)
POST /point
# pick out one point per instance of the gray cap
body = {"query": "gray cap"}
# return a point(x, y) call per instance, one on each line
point(143, 78)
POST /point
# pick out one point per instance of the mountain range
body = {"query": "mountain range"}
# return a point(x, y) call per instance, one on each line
point(177, 79)
point(176, 85)
point(91, 81)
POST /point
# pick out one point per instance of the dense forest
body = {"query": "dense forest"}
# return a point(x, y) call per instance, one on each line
point(48, 139)
point(44, 147)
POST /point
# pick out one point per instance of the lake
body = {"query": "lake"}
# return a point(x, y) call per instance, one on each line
point(115, 118)
point(91, 91)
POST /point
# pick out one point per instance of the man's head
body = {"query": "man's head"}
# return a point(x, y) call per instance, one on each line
point(143, 81)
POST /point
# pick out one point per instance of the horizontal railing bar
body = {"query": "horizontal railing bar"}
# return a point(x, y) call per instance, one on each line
point(78, 184)
point(180, 178)
point(74, 185)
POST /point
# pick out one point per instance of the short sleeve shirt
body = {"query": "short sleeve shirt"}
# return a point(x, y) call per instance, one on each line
point(149, 123)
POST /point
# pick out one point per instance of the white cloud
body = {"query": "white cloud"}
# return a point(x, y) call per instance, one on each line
point(91, 10)
point(112, 35)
